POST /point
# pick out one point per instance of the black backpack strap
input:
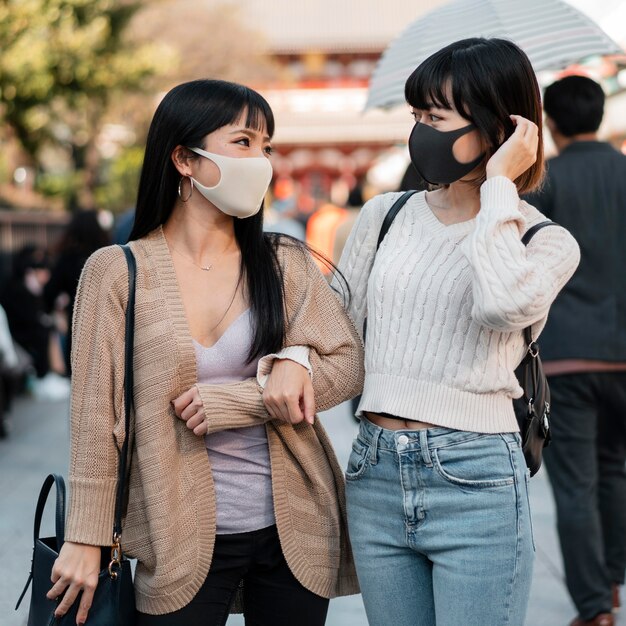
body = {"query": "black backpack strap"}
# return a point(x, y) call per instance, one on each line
point(528, 235)
point(391, 215)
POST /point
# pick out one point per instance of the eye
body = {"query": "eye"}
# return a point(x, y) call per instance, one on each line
point(268, 150)
point(434, 118)
point(244, 141)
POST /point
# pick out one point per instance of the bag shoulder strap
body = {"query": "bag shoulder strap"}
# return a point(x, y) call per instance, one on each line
point(124, 461)
point(391, 215)
point(528, 235)
point(533, 230)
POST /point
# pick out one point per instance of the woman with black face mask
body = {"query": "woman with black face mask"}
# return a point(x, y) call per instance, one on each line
point(437, 482)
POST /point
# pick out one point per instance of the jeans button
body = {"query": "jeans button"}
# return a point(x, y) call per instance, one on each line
point(403, 440)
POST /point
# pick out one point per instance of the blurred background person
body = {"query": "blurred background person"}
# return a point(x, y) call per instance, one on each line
point(584, 350)
point(83, 236)
point(281, 216)
point(22, 300)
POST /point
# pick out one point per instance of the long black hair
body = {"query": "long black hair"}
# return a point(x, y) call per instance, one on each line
point(184, 117)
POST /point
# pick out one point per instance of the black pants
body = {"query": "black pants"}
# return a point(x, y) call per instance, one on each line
point(271, 594)
point(585, 463)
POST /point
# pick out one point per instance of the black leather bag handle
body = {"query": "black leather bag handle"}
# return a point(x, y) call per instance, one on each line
point(59, 514)
point(528, 235)
point(59, 519)
point(124, 460)
point(532, 347)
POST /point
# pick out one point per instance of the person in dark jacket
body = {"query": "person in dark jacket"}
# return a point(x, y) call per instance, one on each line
point(83, 236)
point(584, 351)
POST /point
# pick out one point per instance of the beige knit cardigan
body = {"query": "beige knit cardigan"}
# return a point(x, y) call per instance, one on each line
point(170, 522)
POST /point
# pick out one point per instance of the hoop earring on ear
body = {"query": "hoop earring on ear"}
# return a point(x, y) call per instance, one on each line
point(180, 186)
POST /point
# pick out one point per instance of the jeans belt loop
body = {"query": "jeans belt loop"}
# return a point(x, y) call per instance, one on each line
point(424, 447)
point(373, 454)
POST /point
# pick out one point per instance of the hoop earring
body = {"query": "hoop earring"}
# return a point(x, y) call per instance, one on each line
point(180, 186)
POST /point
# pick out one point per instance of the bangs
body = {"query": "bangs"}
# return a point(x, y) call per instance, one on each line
point(441, 81)
point(259, 113)
point(219, 103)
point(243, 100)
point(426, 87)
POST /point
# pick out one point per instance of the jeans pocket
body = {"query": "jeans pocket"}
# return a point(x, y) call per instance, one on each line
point(530, 515)
point(481, 462)
point(358, 461)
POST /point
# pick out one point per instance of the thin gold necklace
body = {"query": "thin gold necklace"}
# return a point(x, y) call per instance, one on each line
point(204, 268)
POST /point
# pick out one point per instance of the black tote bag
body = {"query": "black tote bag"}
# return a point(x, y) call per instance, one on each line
point(114, 599)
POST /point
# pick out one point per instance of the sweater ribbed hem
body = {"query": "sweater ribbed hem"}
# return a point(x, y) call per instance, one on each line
point(91, 511)
point(437, 404)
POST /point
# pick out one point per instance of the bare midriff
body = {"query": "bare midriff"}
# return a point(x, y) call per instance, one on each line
point(394, 423)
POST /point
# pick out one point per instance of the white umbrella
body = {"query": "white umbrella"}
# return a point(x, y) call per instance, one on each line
point(551, 32)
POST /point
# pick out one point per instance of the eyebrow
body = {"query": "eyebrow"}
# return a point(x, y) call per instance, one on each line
point(250, 133)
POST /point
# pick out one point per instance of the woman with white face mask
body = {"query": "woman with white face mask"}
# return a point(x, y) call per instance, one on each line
point(437, 482)
point(221, 491)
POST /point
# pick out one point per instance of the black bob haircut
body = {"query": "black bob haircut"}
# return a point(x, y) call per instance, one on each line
point(488, 80)
point(185, 116)
point(575, 104)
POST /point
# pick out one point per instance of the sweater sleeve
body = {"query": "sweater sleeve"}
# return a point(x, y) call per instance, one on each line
point(514, 285)
point(358, 256)
point(315, 318)
point(96, 410)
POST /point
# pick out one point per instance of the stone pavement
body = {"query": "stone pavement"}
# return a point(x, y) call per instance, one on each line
point(38, 444)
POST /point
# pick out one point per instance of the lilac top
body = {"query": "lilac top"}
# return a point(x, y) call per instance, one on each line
point(240, 460)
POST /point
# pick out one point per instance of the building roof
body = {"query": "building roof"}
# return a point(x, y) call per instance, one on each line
point(318, 117)
point(331, 25)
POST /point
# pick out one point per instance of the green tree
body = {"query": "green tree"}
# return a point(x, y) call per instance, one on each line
point(61, 63)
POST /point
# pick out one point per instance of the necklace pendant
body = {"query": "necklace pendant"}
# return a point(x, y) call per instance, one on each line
point(206, 268)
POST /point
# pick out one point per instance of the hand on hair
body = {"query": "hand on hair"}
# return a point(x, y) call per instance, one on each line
point(517, 153)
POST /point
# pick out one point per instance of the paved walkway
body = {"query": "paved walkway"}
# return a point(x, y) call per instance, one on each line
point(38, 444)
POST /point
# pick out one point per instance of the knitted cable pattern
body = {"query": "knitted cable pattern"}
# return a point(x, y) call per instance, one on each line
point(445, 305)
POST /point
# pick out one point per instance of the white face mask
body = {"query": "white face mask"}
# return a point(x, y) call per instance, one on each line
point(242, 186)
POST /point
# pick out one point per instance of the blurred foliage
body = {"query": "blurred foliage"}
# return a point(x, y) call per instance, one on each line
point(58, 184)
point(70, 67)
point(120, 180)
point(210, 38)
point(61, 62)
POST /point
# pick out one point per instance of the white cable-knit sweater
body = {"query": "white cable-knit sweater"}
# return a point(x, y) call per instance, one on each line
point(446, 305)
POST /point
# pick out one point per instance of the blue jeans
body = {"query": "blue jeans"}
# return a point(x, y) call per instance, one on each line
point(440, 526)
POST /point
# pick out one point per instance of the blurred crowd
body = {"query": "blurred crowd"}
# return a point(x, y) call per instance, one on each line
point(37, 293)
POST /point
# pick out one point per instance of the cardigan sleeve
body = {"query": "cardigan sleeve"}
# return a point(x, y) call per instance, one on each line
point(96, 409)
point(315, 318)
point(514, 285)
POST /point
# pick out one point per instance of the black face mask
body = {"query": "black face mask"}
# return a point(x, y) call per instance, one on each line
point(432, 156)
